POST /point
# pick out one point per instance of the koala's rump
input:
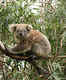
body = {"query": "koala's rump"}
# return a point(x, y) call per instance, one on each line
point(41, 45)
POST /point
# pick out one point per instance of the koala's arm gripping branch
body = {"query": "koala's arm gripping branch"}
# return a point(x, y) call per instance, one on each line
point(7, 51)
point(19, 48)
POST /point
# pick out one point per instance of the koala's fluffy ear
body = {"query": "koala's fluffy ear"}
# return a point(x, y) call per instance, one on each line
point(12, 28)
point(29, 27)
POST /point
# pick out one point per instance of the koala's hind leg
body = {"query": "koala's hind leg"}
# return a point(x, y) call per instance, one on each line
point(39, 50)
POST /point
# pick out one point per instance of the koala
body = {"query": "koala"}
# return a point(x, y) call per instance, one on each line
point(28, 39)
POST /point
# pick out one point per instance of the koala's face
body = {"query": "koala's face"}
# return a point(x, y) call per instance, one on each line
point(21, 31)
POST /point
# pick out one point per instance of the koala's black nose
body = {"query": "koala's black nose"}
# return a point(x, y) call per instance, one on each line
point(20, 34)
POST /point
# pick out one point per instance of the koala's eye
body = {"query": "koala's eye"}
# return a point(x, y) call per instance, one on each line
point(17, 30)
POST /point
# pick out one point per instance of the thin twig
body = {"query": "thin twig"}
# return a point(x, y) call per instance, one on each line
point(50, 57)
